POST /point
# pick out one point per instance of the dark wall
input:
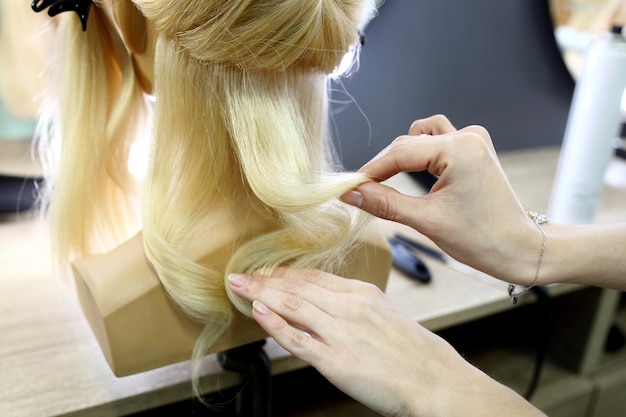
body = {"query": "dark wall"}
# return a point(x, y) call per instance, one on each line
point(488, 62)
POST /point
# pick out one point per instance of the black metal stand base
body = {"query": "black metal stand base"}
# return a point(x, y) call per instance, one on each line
point(251, 361)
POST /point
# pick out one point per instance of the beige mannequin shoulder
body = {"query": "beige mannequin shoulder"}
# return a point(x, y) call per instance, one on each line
point(128, 308)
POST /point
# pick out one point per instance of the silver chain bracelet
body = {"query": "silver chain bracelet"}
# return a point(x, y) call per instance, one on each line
point(539, 219)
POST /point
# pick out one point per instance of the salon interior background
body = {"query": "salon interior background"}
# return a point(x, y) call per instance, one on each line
point(494, 63)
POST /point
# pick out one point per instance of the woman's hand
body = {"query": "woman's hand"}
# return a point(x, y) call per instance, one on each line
point(471, 212)
point(354, 336)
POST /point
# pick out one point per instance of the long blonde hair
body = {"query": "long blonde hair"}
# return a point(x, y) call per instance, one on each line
point(239, 138)
point(95, 110)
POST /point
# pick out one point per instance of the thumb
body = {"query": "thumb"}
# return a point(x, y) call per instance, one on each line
point(386, 203)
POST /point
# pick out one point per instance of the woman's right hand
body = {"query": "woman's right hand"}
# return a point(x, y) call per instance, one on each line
point(471, 212)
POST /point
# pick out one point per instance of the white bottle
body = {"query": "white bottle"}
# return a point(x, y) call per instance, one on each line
point(592, 127)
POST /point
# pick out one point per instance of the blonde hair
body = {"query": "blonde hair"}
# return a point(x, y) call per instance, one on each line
point(94, 113)
point(239, 138)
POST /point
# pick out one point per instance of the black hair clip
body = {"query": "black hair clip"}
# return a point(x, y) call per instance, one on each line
point(81, 7)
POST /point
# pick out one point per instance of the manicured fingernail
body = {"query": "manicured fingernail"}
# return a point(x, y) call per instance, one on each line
point(260, 307)
point(238, 280)
point(354, 198)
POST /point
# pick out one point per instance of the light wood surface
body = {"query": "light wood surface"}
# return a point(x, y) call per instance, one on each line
point(50, 362)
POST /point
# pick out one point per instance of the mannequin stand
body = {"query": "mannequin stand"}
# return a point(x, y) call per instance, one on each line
point(252, 363)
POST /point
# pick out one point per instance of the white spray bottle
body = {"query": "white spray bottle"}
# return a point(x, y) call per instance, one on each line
point(592, 127)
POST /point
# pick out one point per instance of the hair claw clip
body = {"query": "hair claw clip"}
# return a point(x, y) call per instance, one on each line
point(81, 7)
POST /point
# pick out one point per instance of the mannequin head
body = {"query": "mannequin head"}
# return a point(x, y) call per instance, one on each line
point(240, 176)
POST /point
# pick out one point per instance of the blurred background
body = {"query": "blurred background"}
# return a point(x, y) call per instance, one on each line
point(23, 53)
point(494, 63)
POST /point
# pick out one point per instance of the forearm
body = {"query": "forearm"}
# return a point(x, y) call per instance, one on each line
point(585, 254)
point(486, 397)
point(463, 390)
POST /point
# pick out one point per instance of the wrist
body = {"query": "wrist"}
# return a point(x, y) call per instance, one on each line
point(538, 219)
point(515, 255)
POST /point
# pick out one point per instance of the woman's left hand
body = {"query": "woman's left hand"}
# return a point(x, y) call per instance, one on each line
point(354, 336)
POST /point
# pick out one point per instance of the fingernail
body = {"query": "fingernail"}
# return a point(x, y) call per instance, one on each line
point(238, 280)
point(354, 198)
point(260, 307)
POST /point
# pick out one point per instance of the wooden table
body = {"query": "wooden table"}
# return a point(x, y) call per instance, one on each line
point(51, 364)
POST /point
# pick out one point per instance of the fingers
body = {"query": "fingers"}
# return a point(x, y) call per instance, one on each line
point(418, 153)
point(298, 342)
point(434, 125)
point(405, 154)
point(299, 294)
point(299, 299)
point(279, 294)
point(387, 203)
point(314, 276)
point(387, 167)
point(293, 321)
point(481, 133)
point(301, 309)
point(451, 155)
point(308, 299)
point(310, 320)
